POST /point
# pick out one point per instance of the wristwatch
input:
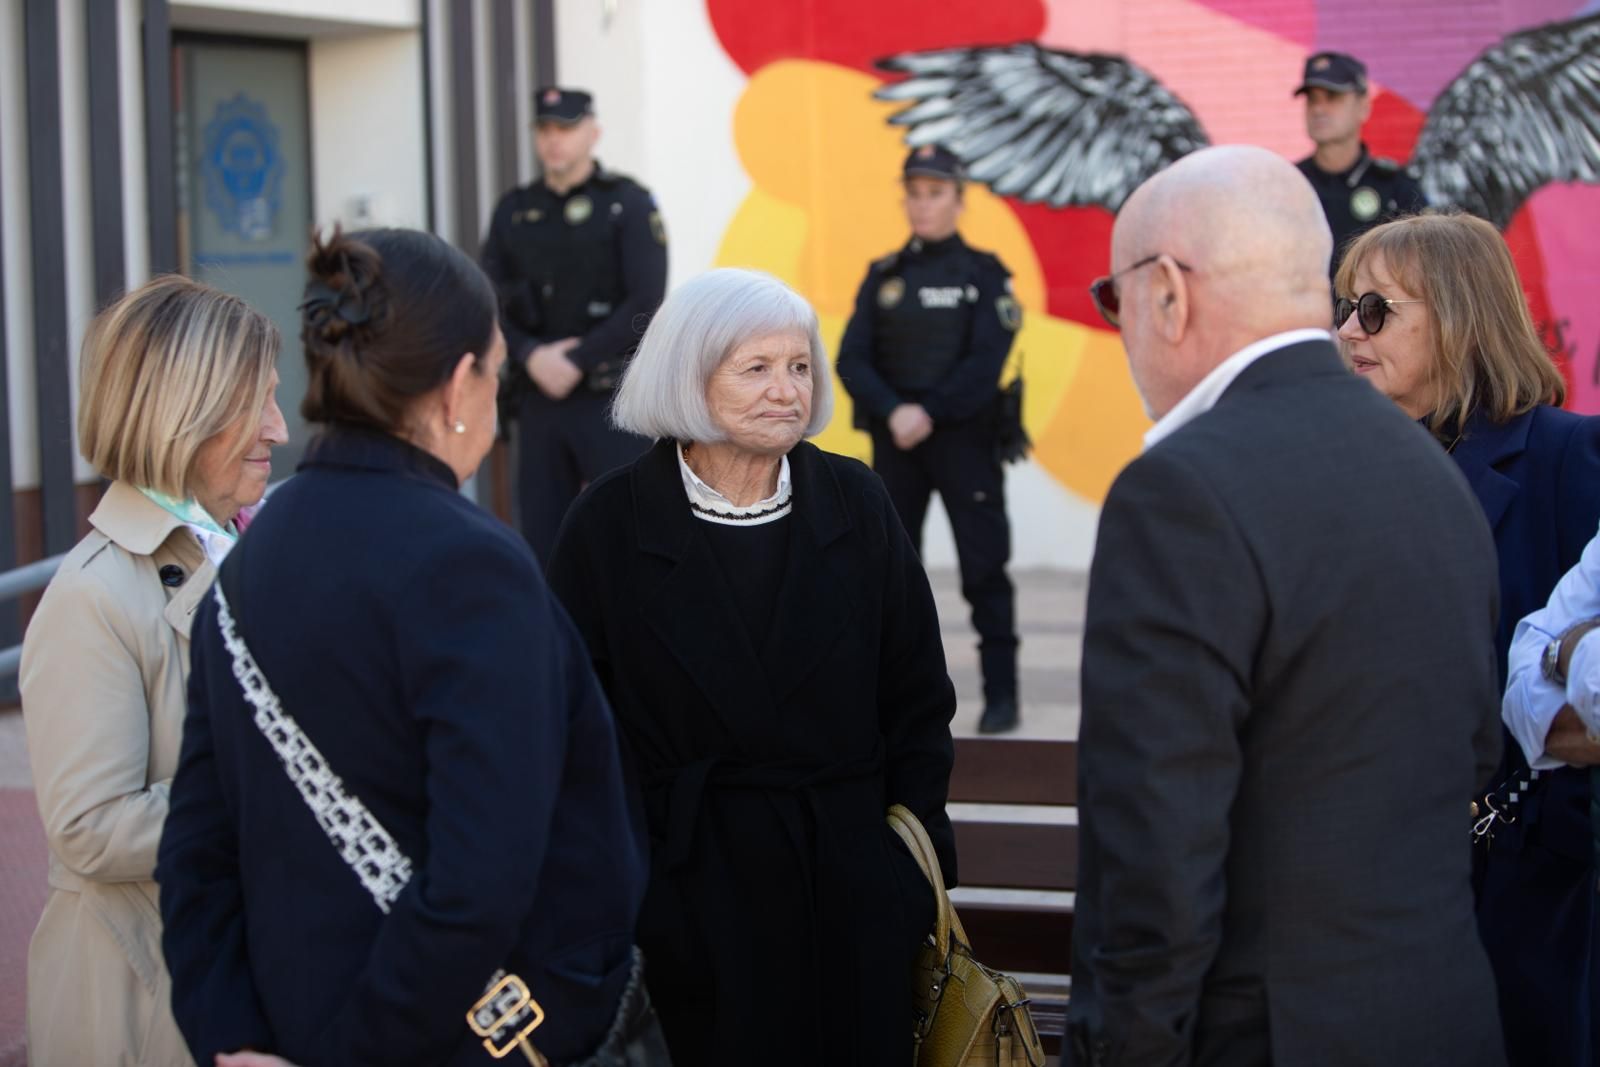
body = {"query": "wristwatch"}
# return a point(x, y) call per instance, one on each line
point(1550, 661)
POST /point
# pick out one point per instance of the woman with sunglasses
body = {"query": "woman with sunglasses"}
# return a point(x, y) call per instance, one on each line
point(1430, 311)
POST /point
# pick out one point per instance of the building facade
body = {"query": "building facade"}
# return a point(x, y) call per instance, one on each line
point(140, 136)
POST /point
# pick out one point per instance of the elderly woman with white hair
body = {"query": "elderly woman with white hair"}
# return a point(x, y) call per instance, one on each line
point(766, 635)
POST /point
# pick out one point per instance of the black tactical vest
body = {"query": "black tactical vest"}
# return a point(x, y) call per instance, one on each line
point(927, 295)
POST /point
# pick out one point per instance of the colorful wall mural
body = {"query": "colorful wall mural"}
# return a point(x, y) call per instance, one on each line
point(822, 156)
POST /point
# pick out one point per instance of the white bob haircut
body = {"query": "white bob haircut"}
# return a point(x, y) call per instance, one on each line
point(663, 391)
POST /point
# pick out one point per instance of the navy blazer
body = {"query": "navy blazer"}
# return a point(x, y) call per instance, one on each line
point(1538, 479)
point(414, 641)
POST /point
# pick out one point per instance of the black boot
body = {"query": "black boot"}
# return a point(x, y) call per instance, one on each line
point(999, 716)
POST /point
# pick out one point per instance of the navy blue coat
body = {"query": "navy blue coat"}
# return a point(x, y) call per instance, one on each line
point(1538, 479)
point(412, 638)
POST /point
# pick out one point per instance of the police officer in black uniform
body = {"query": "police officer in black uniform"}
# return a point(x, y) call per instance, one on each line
point(1358, 190)
point(580, 261)
point(922, 357)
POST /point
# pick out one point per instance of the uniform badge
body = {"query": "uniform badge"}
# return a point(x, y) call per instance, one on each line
point(1365, 203)
point(1010, 312)
point(578, 210)
point(1321, 63)
point(532, 214)
point(890, 292)
point(658, 229)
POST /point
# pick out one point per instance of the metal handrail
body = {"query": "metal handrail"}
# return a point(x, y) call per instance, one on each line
point(28, 578)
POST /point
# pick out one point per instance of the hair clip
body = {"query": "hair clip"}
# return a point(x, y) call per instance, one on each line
point(322, 300)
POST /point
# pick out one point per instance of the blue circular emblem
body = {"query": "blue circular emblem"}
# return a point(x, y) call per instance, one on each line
point(243, 168)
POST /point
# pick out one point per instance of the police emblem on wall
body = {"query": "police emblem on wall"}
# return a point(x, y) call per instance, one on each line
point(243, 168)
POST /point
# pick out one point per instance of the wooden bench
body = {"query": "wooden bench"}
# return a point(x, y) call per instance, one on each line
point(1007, 859)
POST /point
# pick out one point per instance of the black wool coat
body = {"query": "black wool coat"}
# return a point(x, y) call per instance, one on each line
point(782, 914)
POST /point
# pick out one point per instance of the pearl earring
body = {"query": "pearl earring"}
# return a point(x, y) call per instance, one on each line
point(460, 427)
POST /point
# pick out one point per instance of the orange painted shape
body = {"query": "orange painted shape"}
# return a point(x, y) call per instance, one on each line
point(1099, 425)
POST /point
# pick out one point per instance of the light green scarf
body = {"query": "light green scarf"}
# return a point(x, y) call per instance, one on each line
point(189, 511)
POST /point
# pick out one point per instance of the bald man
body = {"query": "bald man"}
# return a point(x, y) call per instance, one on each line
point(1289, 686)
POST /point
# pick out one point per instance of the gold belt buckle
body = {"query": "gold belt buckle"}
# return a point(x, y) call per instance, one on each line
point(504, 1017)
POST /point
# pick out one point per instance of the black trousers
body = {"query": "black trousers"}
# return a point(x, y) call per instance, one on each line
point(958, 462)
point(1535, 885)
point(563, 445)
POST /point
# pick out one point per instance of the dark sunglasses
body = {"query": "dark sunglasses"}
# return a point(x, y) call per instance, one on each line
point(1370, 310)
point(1103, 291)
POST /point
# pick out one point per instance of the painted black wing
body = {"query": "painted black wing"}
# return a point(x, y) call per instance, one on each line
point(1043, 125)
point(1523, 114)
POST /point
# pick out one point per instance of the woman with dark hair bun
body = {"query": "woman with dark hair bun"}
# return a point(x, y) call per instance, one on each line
point(399, 830)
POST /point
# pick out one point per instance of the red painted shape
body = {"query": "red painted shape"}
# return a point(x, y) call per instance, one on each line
point(853, 33)
point(1522, 237)
point(1074, 248)
point(1393, 128)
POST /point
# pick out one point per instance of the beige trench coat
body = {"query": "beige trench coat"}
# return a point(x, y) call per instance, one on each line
point(104, 667)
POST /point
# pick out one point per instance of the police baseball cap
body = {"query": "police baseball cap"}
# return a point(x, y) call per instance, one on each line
point(1334, 71)
point(933, 161)
point(566, 106)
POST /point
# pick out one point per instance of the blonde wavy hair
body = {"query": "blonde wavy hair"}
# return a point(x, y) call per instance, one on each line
point(163, 370)
point(1486, 355)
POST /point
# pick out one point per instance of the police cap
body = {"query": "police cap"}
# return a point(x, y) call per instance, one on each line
point(933, 161)
point(1335, 71)
point(566, 106)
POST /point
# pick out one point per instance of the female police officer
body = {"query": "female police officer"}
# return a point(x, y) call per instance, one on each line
point(921, 358)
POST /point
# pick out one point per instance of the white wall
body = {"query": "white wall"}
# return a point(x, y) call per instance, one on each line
point(665, 93)
point(394, 14)
point(368, 152)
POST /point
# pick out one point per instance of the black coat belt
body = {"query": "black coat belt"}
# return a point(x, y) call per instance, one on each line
point(684, 791)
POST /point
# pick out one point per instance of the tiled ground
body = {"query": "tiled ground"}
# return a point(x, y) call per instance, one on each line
point(1050, 617)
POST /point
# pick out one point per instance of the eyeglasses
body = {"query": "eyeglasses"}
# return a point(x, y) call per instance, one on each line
point(1103, 291)
point(1370, 310)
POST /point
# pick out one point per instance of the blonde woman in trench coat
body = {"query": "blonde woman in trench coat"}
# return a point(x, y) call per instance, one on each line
point(176, 408)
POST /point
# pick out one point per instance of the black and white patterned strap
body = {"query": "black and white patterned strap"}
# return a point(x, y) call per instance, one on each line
point(361, 840)
point(506, 1013)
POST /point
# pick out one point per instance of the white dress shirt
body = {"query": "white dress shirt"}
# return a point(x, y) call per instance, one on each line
point(1203, 397)
point(1531, 700)
point(711, 506)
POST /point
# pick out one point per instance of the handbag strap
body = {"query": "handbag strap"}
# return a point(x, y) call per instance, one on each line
point(946, 922)
point(367, 848)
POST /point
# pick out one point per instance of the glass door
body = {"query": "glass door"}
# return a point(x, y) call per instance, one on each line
point(242, 136)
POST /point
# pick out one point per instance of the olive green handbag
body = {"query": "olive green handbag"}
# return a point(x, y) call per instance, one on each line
point(966, 1015)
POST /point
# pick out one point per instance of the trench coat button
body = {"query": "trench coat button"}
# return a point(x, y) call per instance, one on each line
point(172, 575)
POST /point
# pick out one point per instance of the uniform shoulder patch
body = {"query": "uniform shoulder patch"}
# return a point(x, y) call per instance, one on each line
point(658, 228)
point(1008, 309)
point(887, 262)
